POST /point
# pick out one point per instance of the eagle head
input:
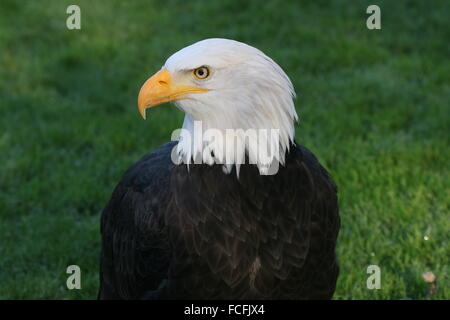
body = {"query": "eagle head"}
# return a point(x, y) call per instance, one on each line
point(226, 85)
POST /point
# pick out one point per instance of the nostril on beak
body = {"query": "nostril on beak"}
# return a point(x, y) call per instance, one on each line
point(163, 83)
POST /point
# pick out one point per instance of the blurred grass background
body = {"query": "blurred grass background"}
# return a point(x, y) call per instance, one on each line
point(374, 108)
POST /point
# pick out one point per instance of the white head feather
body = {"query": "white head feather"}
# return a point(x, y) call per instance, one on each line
point(247, 90)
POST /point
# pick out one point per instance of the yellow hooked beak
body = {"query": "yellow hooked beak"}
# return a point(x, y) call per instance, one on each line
point(160, 88)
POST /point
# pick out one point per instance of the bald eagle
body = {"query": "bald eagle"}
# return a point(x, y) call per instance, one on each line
point(203, 219)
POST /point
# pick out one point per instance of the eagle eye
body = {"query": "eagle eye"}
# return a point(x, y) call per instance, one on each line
point(201, 73)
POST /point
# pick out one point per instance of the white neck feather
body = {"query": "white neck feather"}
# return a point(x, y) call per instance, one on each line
point(261, 137)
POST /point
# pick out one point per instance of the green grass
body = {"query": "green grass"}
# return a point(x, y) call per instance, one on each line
point(374, 108)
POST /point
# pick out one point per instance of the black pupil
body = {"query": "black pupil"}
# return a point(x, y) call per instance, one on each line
point(200, 72)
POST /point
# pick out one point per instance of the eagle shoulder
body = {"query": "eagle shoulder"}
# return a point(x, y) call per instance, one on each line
point(135, 249)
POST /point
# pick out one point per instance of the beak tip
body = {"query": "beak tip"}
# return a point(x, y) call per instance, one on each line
point(142, 112)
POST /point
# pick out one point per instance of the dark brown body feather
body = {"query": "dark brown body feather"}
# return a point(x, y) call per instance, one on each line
point(173, 233)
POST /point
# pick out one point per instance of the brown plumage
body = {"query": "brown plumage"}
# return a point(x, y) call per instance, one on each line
point(173, 233)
